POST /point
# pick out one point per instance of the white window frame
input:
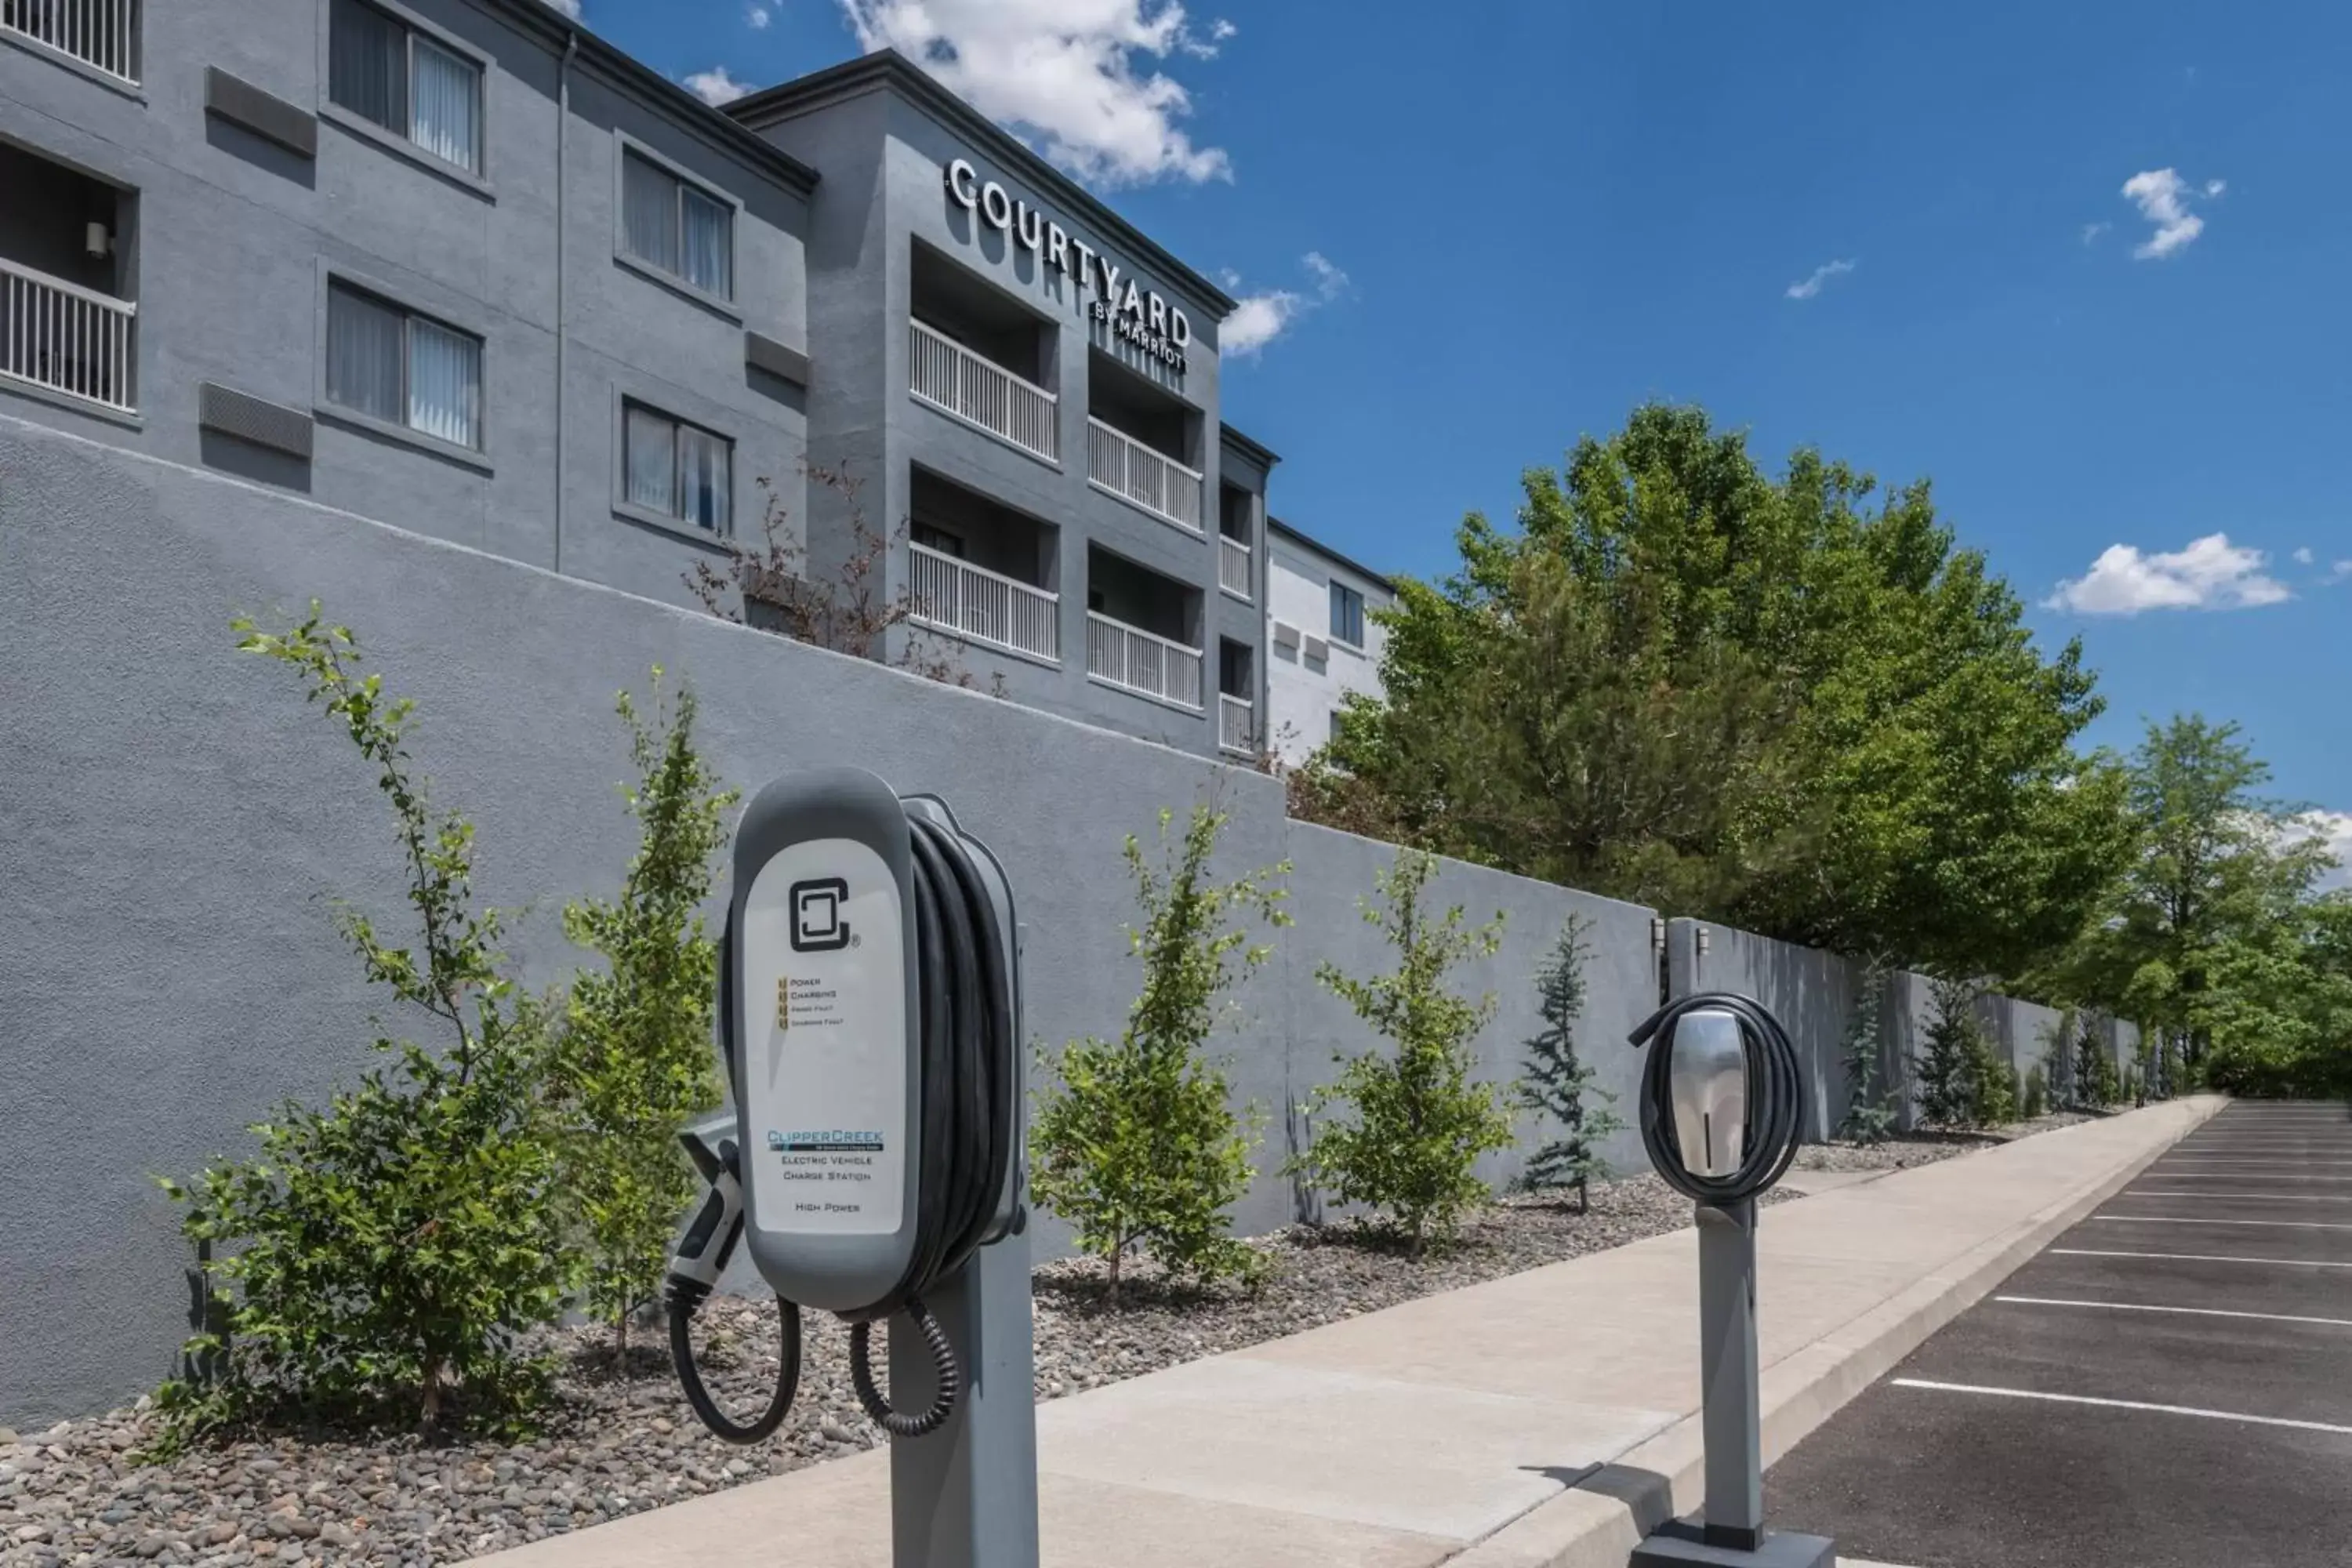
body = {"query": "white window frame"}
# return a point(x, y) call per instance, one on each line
point(673, 519)
point(334, 412)
point(403, 141)
point(626, 147)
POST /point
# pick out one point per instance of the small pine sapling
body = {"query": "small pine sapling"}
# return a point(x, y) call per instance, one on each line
point(1870, 1107)
point(1558, 1083)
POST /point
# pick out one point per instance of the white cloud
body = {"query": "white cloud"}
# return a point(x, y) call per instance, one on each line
point(1256, 321)
point(1259, 319)
point(1806, 288)
point(2304, 557)
point(2210, 574)
point(759, 17)
point(1078, 76)
point(569, 7)
point(2091, 231)
point(2163, 197)
point(2338, 571)
point(2333, 828)
point(715, 86)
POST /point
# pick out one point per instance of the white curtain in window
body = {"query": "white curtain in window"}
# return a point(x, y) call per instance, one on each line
point(367, 64)
point(710, 244)
point(650, 453)
point(448, 120)
point(704, 479)
point(445, 383)
point(365, 345)
point(649, 213)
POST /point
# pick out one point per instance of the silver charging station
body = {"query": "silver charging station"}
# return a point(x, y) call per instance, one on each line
point(871, 1159)
point(1721, 1111)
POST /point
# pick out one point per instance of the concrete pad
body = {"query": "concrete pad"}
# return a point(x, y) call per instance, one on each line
point(1340, 1446)
point(1444, 1429)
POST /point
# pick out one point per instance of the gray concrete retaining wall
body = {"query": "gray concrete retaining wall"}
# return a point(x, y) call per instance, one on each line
point(174, 821)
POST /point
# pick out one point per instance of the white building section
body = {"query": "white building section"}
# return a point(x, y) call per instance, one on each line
point(1321, 643)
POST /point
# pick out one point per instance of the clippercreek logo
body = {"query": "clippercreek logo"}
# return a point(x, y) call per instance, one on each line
point(817, 922)
point(831, 1140)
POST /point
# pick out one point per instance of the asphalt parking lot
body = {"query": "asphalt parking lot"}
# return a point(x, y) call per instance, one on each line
point(2168, 1385)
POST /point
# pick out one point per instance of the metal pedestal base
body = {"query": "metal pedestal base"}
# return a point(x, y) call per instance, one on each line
point(1682, 1544)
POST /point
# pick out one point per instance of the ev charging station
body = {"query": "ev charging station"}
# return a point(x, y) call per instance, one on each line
point(1721, 1110)
point(869, 1015)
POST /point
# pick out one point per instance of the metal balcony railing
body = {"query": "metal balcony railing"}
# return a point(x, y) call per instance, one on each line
point(66, 338)
point(1128, 657)
point(968, 601)
point(1236, 724)
point(101, 33)
point(1233, 566)
point(1137, 474)
point(954, 379)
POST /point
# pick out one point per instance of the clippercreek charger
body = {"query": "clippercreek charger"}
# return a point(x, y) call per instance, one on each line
point(1722, 1104)
point(869, 1015)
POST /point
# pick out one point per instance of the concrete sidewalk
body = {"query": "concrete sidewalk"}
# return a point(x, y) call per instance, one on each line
point(1445, 1430)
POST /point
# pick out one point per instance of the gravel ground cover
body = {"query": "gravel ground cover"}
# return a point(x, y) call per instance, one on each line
point(620, 1441)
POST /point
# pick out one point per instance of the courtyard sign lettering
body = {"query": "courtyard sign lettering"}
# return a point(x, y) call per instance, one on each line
point(1138, 315)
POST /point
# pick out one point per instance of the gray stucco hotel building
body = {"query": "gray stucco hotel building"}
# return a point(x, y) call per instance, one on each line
point(460, 267)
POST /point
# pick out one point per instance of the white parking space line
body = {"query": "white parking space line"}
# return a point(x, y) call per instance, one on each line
point(2258, 1197)
point(2121, 1404)
point(2180, 1219)
point(2182, 1311)
point(2172, 1176)
point(2196, 1257)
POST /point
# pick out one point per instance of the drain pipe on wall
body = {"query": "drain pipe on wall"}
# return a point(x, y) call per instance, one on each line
point(562, 139)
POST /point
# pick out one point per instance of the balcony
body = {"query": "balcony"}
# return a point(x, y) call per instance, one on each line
point(102, 34)
point(66, 338)
point(967, 601)
point(1233, 566)
point(980, 392)
point(1238, 724)
point(1142, 662)
point(1141, 477)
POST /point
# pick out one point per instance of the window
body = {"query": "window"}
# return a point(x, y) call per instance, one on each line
point(939, 539)
point(404, 82)
point(1347, 615)
point(402, 368)
point(676, 227)
point(677, 470)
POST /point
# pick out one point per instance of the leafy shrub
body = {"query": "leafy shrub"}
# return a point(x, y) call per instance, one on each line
point(1992, 1085)
point(632, 1060)
point(2036, 1094)
point(1558, 1083)
point(1870, 1105)
point(1136, 1144)
point(1419, 1123)
point(2096, 1083)
point(388, 1254)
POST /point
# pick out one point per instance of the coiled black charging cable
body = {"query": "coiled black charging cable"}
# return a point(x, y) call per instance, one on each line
point(969, 1130)
point(1776, 1104)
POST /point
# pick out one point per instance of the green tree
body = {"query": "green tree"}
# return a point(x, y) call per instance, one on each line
point(632, 1061)
point(1869, 1105)
point(2200, 935)
point(2097, 1086)
point(1419, 1123)
point(2035, 1096)
point(1135, 1141)
point(1558, 1083)
point(382, 1258)
point(1788, 702)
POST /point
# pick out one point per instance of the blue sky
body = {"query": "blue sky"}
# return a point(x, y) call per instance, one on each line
point(1469, 233)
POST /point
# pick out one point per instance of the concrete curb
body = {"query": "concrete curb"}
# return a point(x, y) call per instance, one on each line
point(1598, 1523)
